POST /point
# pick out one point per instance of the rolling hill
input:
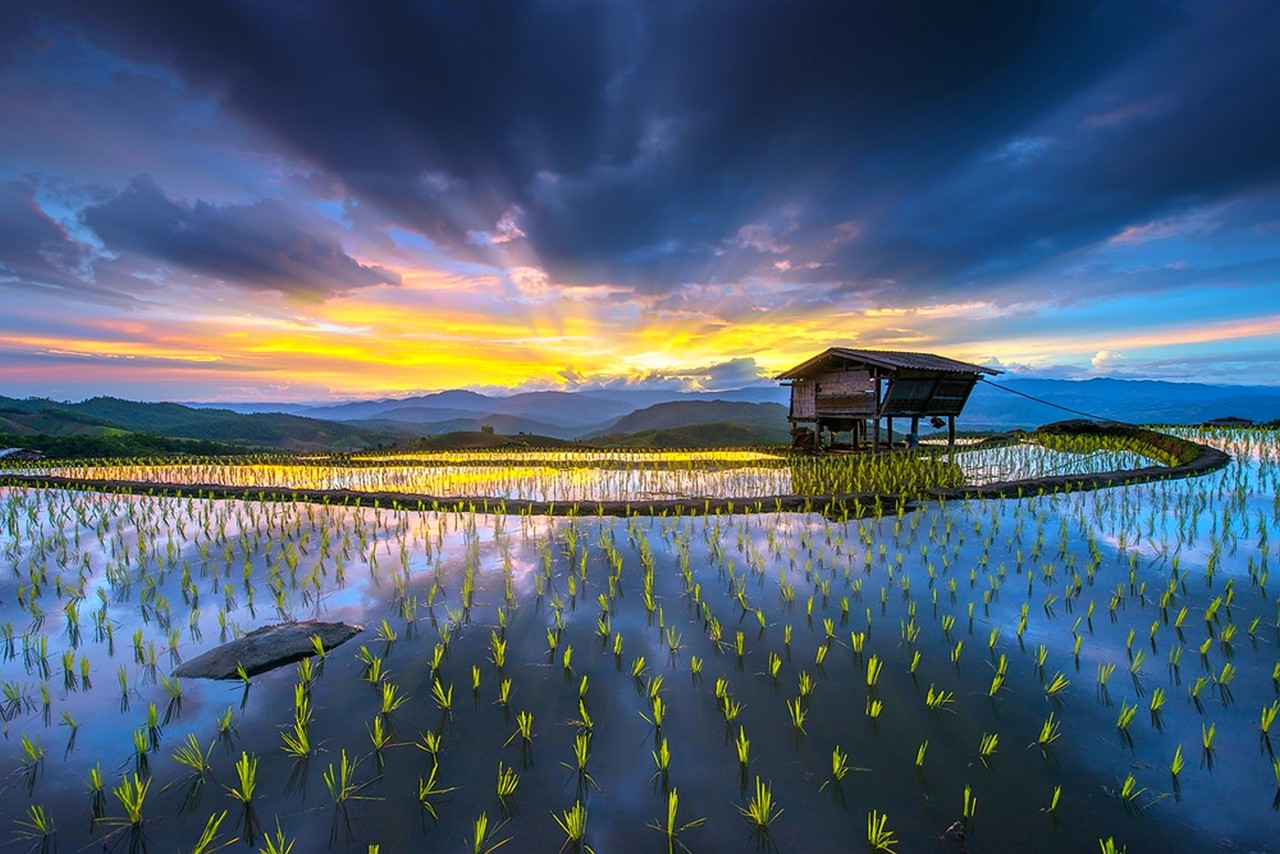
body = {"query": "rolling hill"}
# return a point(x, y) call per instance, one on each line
point(102, 416)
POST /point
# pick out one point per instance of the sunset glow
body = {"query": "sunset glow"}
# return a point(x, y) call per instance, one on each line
point(183, 220)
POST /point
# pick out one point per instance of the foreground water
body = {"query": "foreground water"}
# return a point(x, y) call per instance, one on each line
point(1088, 605)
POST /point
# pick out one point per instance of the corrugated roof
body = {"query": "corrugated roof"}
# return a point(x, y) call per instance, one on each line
point(891, 359)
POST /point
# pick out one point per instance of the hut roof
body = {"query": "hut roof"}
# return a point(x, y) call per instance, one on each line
point(892, 360)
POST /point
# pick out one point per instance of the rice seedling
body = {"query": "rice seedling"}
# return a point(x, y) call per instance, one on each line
point(30, 755)
point(743, 747)
point(340, 782)
point(672, 827)
point(1050, 731)
point(246, 776)
point(36, 827)
point(1108, 846)
point(920, 752)
point(428, 791)
point(797, 712)
point(1129, 791)
point(987, 746)
point(1056, 685)
point(760, 809)
point(190, 755)
point(1126, 715)
point(482, 836)
point(208, 839)
point(132, 794)
point(937, 700)
point(1053, 801)
point(1176, 764)
point(879, 836)
point(392, 697)
point(508, 780)
point(1207, 736)
point(874, 666)
point(442, 696)
point(573, 822)
point(839, 768)
point(969, 807)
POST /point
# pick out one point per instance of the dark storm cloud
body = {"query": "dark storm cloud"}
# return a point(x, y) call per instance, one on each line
point(259, 246)
point(36, 251)
point(656, 143)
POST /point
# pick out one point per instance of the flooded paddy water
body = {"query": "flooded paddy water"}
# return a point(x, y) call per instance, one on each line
point(981, 675)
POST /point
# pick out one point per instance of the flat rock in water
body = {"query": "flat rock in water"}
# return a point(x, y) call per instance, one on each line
point(266, 648)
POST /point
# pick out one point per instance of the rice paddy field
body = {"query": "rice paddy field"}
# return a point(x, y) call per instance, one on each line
point(1083, 671)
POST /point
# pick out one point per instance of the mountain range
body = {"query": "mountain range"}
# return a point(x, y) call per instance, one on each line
point(625, 417)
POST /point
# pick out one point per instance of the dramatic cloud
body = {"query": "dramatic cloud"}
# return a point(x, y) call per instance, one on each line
point(640, 185)
point(258, 246)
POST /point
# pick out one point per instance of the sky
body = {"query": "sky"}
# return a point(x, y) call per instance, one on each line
point(309, 201)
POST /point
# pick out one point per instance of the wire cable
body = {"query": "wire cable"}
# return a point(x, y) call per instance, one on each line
point(1054, 405)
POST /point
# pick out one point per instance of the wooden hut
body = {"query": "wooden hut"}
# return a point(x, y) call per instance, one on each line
point(853, 391)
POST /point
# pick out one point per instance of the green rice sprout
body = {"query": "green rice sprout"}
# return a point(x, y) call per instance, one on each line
point(209, 836)
point(508, 780)
point(442, 696)
point(936, 700)
point(672, 828)
point(573, 822)
point(246, 776)
point(920, 752)
point(392, 697)
point(969, 806)
point(1108, 845)
point(297, 741)
point(482, 835)
point(1175, 765)
point(760, 810)
point(190, 755)
point(524, 728)
point(743, 746)
point(278, 844)
point(341, 781)
point(132, 793)
point(1268, 717)
point(30, 754)
point(38, 825)
point(874, 666)
point(1129, 791)
point(223, 722)
point(661, 757)
point(1050, 731)
point(1056, 685)
point(987, 745)
point(797, 712)
point(1126, 715)
point(430, 744)
point(879, 836)
point(1053, 801)
point(839, 767)
point(428, 790)
point(379, 735)
point(1157, 702)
